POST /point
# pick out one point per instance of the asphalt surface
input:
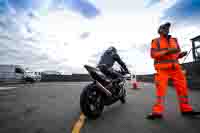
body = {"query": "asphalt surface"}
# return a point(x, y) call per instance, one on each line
point(54, 108)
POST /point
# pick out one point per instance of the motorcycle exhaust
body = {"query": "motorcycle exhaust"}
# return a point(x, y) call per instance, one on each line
point(108, 93)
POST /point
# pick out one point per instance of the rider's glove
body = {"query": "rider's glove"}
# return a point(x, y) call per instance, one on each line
point(127, 72)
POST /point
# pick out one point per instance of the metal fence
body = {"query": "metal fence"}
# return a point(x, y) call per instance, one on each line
point(73, 77)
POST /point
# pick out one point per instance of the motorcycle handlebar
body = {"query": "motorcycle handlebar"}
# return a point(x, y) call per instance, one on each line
point(122, 71)
point(127, 77)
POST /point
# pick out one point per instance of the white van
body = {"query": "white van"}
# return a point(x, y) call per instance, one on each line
point(35, 76)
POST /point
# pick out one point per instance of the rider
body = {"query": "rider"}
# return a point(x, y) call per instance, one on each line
point(107, 61)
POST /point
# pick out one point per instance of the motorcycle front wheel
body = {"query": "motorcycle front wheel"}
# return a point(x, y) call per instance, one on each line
point(91, 102)
point(123, 98)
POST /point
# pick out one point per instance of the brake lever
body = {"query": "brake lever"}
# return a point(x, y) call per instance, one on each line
point(127, 76)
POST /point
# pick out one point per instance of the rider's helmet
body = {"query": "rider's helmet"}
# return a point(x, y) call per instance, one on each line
point(112, 49)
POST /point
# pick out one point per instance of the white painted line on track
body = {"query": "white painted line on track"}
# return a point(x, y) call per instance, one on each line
point(7, 88)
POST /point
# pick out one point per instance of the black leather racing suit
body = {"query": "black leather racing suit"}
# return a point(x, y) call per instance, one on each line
point(107, 61)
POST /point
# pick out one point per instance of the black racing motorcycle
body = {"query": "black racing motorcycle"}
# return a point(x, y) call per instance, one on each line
point(102, 91)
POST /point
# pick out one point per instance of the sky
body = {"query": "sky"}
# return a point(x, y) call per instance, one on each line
point(63, 35)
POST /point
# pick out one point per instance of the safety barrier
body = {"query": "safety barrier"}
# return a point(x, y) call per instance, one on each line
point(73, 77)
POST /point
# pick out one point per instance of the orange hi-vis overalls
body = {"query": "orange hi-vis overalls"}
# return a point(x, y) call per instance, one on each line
point(167, 66)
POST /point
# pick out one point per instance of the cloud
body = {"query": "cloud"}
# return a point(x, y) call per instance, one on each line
point(184, 12)
point(16, 50)
point(3, 25)
point(31, 39)
point(5, 37)
point(66, 38)
point(15, 24)
point(84, 7)
point(3, 6)
point(22, 4)
point(84, 35)
point(26, 5)
point(94, 58)
point(30, 57)
point(149, 3)
point(92, 61)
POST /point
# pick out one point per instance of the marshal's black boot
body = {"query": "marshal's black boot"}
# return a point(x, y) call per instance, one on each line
point(153, 116)
point(190, 113)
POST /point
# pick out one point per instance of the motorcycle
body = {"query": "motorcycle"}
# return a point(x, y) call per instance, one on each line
point(103, 91)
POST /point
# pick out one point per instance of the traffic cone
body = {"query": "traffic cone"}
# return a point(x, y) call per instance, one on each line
point(133, 81)
point(135, 85)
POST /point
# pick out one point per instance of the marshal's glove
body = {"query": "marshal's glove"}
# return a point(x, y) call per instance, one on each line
point(182, 54)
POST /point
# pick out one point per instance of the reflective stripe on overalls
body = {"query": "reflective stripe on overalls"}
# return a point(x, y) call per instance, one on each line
point(158, 49)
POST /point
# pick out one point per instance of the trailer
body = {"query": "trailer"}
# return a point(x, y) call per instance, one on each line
point(192, 70)
point(196, 48)
point(11, 73)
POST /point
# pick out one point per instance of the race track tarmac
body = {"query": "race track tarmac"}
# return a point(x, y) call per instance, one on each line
point(54, 108)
